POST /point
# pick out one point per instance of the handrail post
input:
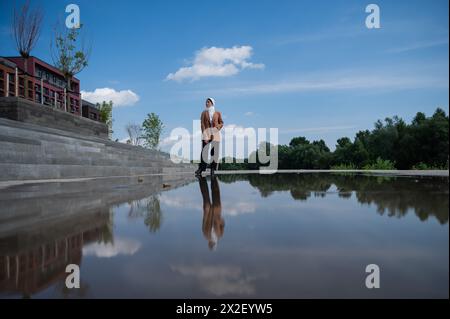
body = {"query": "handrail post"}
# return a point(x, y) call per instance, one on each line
point(17, 82)
point(7, 84)
point(65, 99)
point(25, 85)
point(42, 91)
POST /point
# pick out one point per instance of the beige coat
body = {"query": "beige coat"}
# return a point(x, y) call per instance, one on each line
point(211, 132)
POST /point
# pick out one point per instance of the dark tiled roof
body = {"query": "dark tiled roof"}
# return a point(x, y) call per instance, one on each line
point(7, 63)
point(84, 102)
point(42, 63)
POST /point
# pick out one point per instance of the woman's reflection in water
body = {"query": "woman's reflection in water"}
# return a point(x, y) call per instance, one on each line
point(213, 223)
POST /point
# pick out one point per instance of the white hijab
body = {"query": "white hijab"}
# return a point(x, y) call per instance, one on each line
point(211, 110)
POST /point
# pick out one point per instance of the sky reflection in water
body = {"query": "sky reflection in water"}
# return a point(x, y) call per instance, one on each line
point(274, 236)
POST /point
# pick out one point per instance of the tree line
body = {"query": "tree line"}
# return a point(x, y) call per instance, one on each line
point(392, 144)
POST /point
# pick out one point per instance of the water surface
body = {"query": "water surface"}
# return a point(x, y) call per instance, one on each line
point(236, 236)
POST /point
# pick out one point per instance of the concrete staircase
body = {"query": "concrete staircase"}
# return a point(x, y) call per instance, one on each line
point(30, 152)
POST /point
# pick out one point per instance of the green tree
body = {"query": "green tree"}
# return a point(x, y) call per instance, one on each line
point(430, 140)
point(303, 154)
point(342, 154)
point(419, 118)
point(392, 144)
point(284, 157)
point(152, 129)
point(106, 115)
point(298, 141)
point(69, 55)
point(322, 146)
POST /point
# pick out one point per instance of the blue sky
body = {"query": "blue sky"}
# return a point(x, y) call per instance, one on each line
point(309, 68)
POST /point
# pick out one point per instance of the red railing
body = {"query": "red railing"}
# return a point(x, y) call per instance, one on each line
point(24, 85)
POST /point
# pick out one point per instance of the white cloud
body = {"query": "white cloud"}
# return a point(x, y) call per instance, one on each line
point(418, 46)
point(238, 208)
point(249, 113)
point(219, 280)
point(361, 80)
point(119, 98)
point(119, 247)
point(337, 32)
point(319, 129)
point(216, 62)
point(233, 208)
point(349, 83)
point(192, 137)
point(179, 202)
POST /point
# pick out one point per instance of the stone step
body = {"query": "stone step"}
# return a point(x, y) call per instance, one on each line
point(52, 134)
point(49, 171)
point(20, 147)
point(45, 136)
point(67, 144)
point(28, 151)
point(26, 157)
point(39, 128)
point(13, 153)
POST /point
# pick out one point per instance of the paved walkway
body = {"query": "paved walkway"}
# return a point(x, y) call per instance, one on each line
point(4, 184)
point(441, 173)
point(357, 171)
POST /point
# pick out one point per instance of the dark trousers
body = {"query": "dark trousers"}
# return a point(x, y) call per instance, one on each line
point(214, 155)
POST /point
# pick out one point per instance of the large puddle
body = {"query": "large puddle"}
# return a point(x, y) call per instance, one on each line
point(236, 236)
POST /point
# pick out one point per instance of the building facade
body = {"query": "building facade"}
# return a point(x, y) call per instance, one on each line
point(90, 111)
point(38, 81)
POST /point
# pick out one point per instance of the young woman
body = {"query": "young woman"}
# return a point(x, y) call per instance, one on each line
point(211, 124)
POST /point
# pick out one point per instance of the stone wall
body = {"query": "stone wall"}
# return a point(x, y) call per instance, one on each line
point(30, 152)
point(22, 110)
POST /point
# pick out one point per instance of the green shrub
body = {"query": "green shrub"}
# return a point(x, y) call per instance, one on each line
point(380, 164)
point(344, 166)
point(423, 167)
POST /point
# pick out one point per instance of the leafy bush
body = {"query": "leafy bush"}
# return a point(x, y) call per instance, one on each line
point(344, 167)
point(380, 164)
point(423, 167)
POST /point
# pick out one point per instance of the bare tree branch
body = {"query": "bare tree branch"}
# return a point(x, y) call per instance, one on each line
point(134, 132)
point(26, 28)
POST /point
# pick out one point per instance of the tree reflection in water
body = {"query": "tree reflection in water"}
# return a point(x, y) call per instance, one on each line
point(150, 210)
point(394, 196)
